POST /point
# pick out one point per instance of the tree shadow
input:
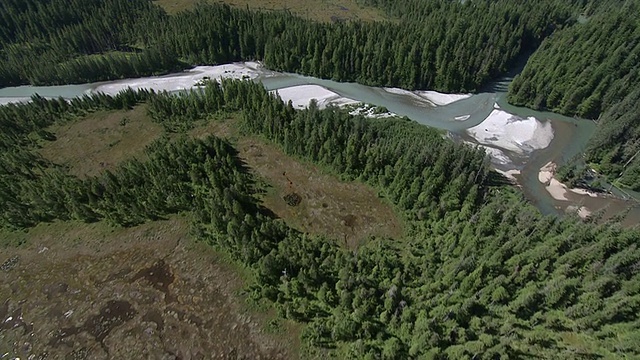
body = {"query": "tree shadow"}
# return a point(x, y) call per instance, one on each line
point(501, 81)
point(496, 179)
point(255, 187)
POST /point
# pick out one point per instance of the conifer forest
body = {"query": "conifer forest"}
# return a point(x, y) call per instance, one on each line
point(479, 272)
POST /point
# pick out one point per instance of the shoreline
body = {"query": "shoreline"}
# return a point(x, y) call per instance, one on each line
point(559, 190)
point(185, 80)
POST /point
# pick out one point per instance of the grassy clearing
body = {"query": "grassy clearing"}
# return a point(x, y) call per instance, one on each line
point(183, 298)
point(350, 212)
point(323, 10)
point(101, 140)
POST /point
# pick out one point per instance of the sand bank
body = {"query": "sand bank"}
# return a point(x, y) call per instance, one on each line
point(510, 132)
point(581, 211)
point(555, 188)
point(583, 192)
point(497, 156)
point(301, 96)
point(429, 97)
point(442, 99)
point(185, 80)
point(559, 191)
point(510, 174)
point(14, 100)
point(370, 111)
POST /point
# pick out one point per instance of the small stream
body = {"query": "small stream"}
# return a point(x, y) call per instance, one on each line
point(570, 135)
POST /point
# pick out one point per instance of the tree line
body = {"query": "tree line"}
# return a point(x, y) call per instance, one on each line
point(61, 42)
point(446, 49)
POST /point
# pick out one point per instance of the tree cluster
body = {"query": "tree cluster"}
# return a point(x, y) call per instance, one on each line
point(61, 42)
point(615, 147)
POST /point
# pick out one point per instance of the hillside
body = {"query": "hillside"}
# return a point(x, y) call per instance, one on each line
point(444, 51)
point(324, 10)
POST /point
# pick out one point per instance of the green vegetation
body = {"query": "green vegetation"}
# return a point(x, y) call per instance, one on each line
point(615, 146)
point(592, 70)
point(100, 140)
point(479, 273)
point(58, 42)
point(446, 50)
point(323, 10)
point(585, 69)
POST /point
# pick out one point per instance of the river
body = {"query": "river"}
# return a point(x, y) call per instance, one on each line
point(570, 135)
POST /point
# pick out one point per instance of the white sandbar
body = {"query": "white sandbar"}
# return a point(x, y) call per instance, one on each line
point(301, 96)
point(14, 100)
point(442, 99)
point(430, 97)
point(185, 80)
point(509, 132)
point(462, 117)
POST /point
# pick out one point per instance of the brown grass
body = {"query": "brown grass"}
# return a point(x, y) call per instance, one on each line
point(190, 307)
point(100, 141)
point(323, 10)
point(350, 212)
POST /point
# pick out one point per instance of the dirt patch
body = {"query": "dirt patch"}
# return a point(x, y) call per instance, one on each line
point(88, 291)
point(159, 276)
point(324, 10)
point(101, 140)
point(350, 212)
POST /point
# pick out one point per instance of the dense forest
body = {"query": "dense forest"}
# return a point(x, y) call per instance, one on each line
point(592, 70)
point(615, 147)
point(53, 42)
point(57, 42)
point(480, 274)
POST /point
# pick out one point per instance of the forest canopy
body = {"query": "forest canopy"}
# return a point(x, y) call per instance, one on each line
point(592, 70)
point(446, 50)
point(480, 273)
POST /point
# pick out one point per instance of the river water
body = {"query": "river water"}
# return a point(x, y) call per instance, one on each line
point(570, 135)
